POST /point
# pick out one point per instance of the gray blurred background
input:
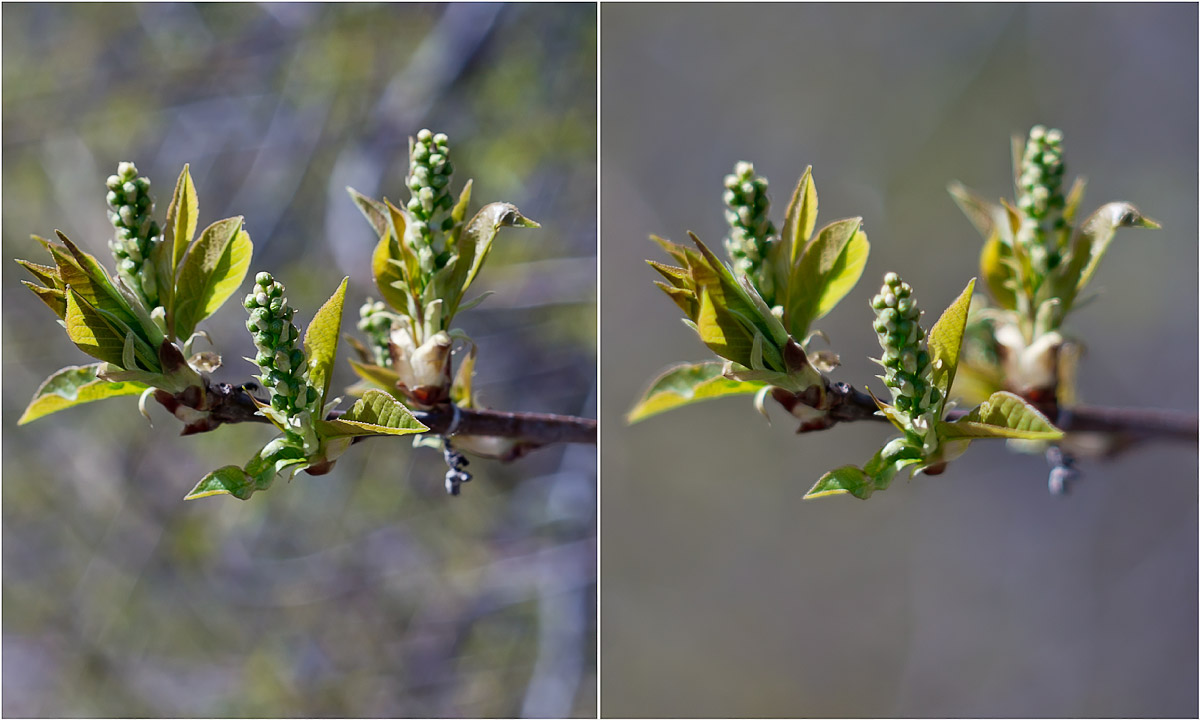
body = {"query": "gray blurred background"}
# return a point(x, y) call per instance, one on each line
point(974, 593)
point(366, 592)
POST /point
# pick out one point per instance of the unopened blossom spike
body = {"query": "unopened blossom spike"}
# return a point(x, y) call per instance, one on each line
point(429, 174)
point(750, 231)
point(283, 364)
point(130, 209)
point(1040, 197)
point(376, 322)
point(905, 354)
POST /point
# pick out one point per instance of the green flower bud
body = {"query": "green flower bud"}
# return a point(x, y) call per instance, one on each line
point(905, 357)
point(751, 233)
point(1042, 231)
point(129, 209)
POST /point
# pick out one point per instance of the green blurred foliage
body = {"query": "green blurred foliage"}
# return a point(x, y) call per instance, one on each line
point(365, 592)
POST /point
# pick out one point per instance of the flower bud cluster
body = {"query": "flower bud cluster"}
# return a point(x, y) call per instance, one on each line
point(1040, 199)
point(429, 173)
point(751, 233)
point(376, 322)
point(284, 366)
point(905, 358)
point(130, 207)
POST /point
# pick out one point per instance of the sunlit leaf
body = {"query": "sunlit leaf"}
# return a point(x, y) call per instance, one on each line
point(813, 272)
point(320, 340)
point(995, 263)
point(945, 340)
point(374, 211)
point(90, 332)
point(686, 384)
point(376, 413)
point(1003, 415)
point(387, 273)
point(212, 270)
point(1090, 244)
point(73, 386)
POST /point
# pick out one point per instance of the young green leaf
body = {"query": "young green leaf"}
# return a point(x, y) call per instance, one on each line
point(229, 480)
point(685, 384)
point(1090, 244)
point(374, 211)
point(801, 218)
point(1003, 415)
point(475, 244)
point(182, 216)
point(996, 265)
point(89, 280)
point(320, 341)
point(54, 299)
point(73, 386)
point(843, 480)
point(376, 413)
point(385, 378)
point(212, 271)
point(844, 274)
point(945, 339)
point(90, 332)
point(816, 268)
point(385, 264)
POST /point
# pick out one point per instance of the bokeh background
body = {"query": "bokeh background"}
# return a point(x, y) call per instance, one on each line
point(366, 592)
point(971, 594)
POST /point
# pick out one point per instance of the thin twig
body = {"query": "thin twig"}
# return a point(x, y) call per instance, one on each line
point(845, 403)
point(229, 404)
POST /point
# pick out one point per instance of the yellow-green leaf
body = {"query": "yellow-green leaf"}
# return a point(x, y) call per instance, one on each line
point(386, 272)
point(995, 262)
point(1003, 415)
point(320, 340)
point(212, 270)
point(685, 384)
point(376, 413)
point(182, 215)
point(811, 274)
point(73, 386)
point(945, 340)
point(844, 274)
point(90, 332)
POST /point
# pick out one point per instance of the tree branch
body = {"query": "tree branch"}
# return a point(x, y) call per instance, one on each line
point(228, 404)
point(845, 403)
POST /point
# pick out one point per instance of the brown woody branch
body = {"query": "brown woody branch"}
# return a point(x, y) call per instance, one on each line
point(223, 403)
point(844, 403)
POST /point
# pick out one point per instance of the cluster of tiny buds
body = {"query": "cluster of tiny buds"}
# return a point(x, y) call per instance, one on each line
point(376, 322)
point(750, 231)
point(130, 209)
point(905, 357)
point(429, 175)
point(283, 364)
point(1040, 198)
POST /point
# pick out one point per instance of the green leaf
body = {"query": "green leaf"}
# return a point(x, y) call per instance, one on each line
point(387, 273)
point(374, 211)
point(685, 384)
point(73, 386)
point(996, 265)
point(229, 480)
point(90, 332)
point(46, 275)
point(54, 299)
point(844, 274)
point(385, 378)
point(987, 217)
point(476, 243)
point(320, 340)
point(212, 270)
point(376, 413)
point(89, 280)
point(1090, 244)
point(847, 479)
point(816, 268)
point(734, 298)
point(801, 218)
point(461, 391)
point(459, 213)
point(945, 340)
point(1003, 415)
point(182, 216)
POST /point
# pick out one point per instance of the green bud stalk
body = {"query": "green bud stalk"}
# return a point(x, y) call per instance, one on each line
point(751, 233)
point(429, 174)
point(1040, 199)
point(376, 323)
point(283, 363)
point(130, 209)
point(906, 360)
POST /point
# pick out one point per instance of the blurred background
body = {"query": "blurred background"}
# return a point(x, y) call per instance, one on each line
point(368, 591)
point(972, 594)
